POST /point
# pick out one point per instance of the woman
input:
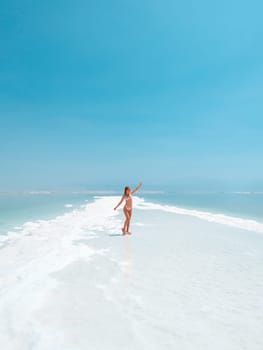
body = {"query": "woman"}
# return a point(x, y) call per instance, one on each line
point(127, 209)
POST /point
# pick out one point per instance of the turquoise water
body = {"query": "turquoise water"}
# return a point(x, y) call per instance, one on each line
point(15, 209)
point(247, 206)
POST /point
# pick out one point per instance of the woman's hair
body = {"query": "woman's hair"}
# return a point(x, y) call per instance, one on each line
point(125, 189)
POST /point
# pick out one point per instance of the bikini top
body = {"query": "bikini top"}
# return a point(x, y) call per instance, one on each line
point(128, 197)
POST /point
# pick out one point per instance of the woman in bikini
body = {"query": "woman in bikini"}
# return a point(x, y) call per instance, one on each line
point(127, 209)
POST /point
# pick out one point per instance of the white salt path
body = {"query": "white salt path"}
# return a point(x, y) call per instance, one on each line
point(179, 281)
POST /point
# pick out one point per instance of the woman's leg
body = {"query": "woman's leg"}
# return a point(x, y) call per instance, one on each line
point(128, 223)
point(127, 218)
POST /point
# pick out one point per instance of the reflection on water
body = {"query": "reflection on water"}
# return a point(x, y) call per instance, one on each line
point(127, 262)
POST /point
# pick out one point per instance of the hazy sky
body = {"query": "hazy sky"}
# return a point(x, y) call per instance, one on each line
point(107, 93)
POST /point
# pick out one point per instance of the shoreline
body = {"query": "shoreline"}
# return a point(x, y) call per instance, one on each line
point(178, 281)
point(142, 204)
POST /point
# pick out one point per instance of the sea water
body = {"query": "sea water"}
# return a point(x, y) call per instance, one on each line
point(17, 208)
point(247, 205)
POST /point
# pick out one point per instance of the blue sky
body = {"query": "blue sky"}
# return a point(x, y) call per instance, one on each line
point(104, 93)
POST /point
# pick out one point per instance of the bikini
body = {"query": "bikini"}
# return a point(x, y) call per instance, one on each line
point(128, 198)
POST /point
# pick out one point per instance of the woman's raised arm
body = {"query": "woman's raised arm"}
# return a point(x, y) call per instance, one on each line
point(137, 188)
